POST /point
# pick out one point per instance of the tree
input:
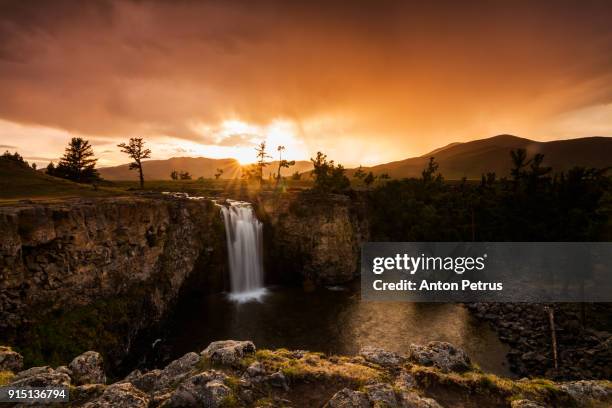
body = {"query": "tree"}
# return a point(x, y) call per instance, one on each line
point(135, 149)
point(280, 160)
point(50, 169)
point(519, 162)
point(185, 175)
point(34, 166)
point(384, 176)
point(537, 172)
point(282, 163)
point(359, 173)
point(78, 163)
point(218, 174)
point(369, 179)
point(14, 157)
point(328, 176)
point(296, 176)
point(430, 173)
point(261, 159)
point(174, 175)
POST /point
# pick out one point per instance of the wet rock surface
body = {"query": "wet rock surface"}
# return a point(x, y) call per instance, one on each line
point(283, 378)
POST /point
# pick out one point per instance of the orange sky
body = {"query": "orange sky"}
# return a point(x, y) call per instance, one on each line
point(364, 81)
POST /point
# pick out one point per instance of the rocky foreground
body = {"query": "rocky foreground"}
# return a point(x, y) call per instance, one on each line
point(234, 374)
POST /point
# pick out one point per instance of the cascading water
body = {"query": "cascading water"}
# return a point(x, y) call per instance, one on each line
point(244, 246)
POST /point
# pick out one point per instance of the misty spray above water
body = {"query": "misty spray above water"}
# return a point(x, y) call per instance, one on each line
point(245, 247)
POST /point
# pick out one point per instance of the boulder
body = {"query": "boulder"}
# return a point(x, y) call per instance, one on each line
point(256, 369)
point(586, 390)
point(147, 382)
point(122, 395)
point(347, 398)
point(10, 360)
point(410, 399)
point(88, 368)
point(156, 380)
point(202, 390)
point(83, 393)
point(524, 403)
point(65, 370)
point(380, 356)
point(405, 380)
point(381, 395)
point(40, 377)
point(228, 352)
point(278, 380)
point(441, 355)
point(180, 367)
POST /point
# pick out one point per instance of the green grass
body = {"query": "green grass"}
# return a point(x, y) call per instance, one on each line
point(212, 187)
point(315, 366)
point(18, 183)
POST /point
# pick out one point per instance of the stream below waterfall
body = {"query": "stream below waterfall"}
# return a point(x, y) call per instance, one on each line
point(332, 321)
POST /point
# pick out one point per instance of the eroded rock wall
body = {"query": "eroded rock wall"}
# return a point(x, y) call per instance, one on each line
point(314, 237)
point(79, 274)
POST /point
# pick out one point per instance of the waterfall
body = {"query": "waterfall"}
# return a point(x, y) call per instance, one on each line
point(244, 246)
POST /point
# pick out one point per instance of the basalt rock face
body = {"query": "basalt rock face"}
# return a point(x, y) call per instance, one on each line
point(316, 236)
point(88, 274)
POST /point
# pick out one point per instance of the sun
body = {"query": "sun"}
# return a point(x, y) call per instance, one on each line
point(244, 155)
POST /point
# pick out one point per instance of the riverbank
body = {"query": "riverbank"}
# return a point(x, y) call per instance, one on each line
point(582, 337)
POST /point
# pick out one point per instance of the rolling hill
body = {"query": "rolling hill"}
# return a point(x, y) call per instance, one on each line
point(197, 166)
point(19, 181)
point(472, 159)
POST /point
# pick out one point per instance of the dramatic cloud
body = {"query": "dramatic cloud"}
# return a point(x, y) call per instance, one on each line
point(362, 80)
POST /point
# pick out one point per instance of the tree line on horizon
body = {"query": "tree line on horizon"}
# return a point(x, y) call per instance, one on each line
point(78, 163)
point(532, 203)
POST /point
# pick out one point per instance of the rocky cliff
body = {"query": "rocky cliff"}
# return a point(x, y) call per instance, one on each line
point(314, 237)
point(85, 274)
point(234, 374)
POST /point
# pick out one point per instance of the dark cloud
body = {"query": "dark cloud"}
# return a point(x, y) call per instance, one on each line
point(2, 146)
point(123, 68)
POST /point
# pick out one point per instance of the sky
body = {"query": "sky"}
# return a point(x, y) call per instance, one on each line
point(366, 82)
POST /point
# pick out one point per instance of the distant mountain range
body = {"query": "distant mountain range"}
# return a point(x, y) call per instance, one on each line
point(196, 166)
point(456, 160)
point(472, 159)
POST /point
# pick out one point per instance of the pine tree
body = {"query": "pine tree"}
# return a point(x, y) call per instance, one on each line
point(78, 163)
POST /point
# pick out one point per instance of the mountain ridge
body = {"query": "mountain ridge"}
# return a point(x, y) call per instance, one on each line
point(457, 160)
point(474, 158)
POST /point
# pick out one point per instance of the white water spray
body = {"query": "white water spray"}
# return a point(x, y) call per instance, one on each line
point(244, 246)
